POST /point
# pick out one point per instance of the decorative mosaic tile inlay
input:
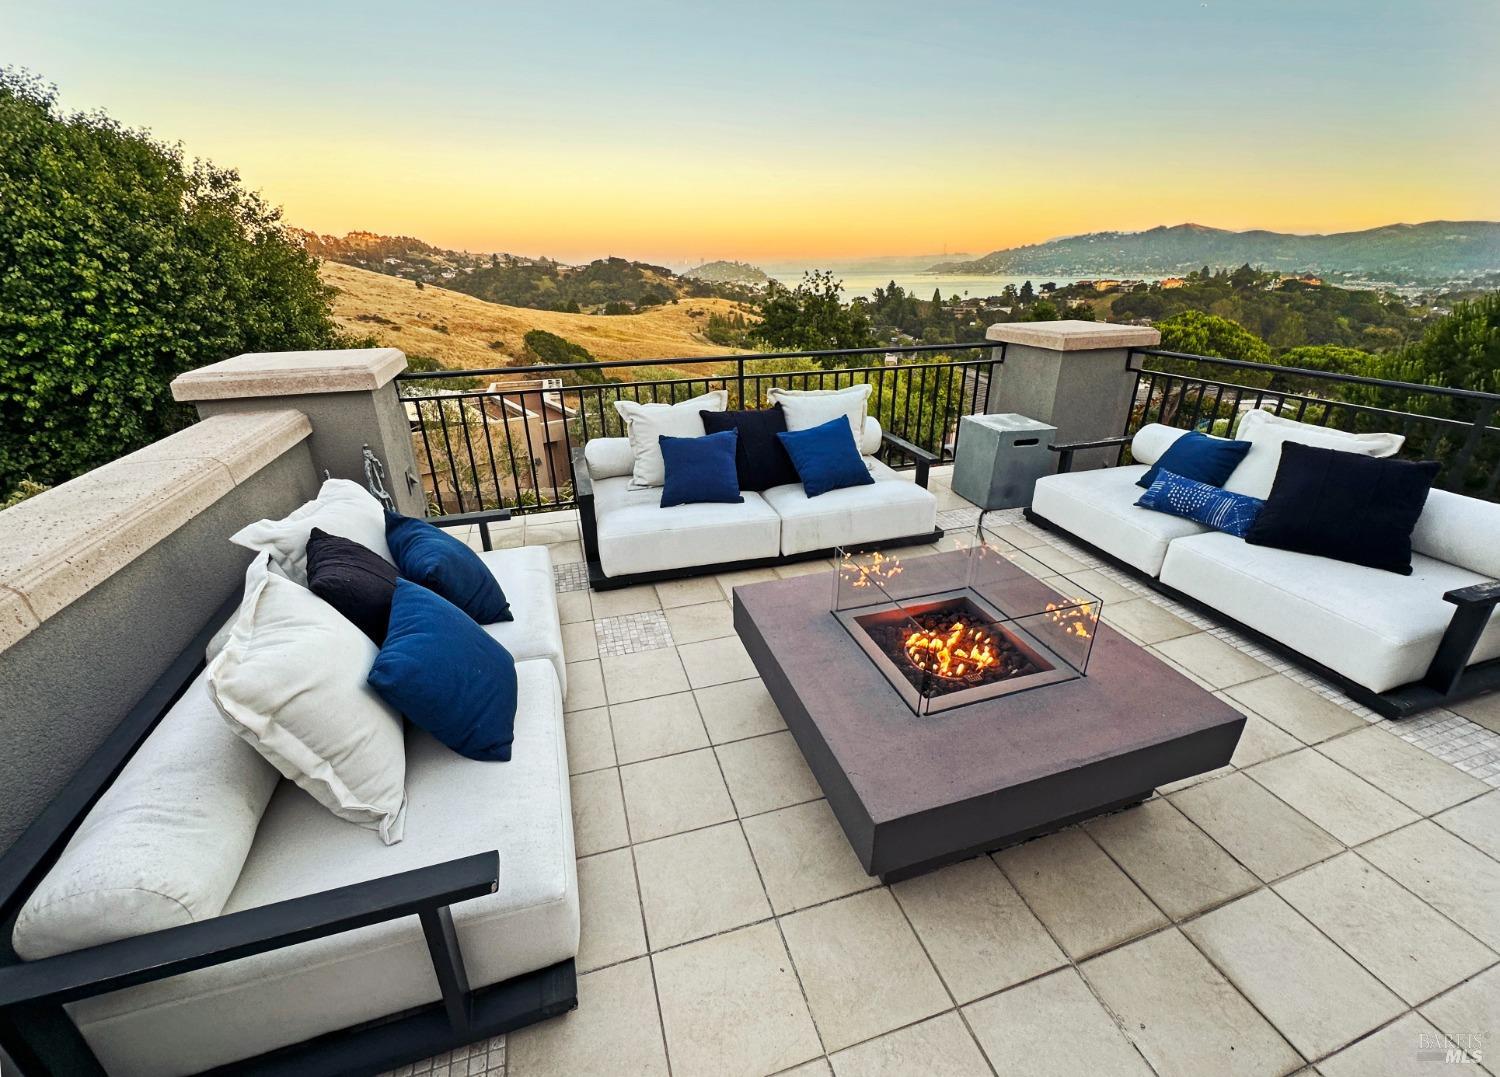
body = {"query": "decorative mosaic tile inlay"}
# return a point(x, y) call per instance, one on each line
point(632, 632)
point(573, 576)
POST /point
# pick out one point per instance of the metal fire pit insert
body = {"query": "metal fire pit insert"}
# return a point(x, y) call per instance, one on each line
point(947, 632)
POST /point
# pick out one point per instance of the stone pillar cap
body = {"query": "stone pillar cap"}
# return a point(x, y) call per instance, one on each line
point(1072, 335)
point(270, 374)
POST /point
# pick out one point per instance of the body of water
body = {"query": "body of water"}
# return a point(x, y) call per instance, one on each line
point(921, 284)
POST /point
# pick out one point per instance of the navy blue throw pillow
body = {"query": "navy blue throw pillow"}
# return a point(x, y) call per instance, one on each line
point(440, 563)
point(699, 469)
point(826, 457)
point(1198, 501)
point(759, 459)
point(447, 675)
point(1200, 458)
point(356, 581)
point(1344, 505)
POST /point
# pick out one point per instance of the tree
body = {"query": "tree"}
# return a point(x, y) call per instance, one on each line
point(121, 266)
point(811, 317)
point(1026, 294)
point(550, 348)
point(1197, 333)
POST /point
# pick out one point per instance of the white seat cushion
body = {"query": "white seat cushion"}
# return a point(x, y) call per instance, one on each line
point(457, 807)
point(1099, 507)
point(892, 507)
point(1378, 629)
point(525, 575)
point(164, 844)
point(637, 535)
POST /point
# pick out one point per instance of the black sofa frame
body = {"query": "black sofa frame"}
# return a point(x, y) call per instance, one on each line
point(40, 1038)
point(583, 487)
point(1449, 679)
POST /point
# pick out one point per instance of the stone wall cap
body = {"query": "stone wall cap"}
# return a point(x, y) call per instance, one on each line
point(272, 374)
point(1072, 335)
point(61, 544)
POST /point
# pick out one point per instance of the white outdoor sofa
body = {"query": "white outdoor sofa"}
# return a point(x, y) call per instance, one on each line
point(335, 953)
point(1397, 644)
point(629, 538)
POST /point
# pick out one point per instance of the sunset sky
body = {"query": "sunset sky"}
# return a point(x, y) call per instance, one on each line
point(674, 131)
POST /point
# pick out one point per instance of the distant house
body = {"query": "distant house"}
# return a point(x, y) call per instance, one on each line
point(1173, 282)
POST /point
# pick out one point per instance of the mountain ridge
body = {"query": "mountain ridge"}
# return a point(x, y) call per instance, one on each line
point(1400, 252)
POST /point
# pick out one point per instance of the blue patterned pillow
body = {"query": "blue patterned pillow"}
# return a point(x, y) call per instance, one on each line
point(1208, 505)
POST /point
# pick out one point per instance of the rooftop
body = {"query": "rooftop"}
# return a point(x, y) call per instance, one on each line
point(1328, 898)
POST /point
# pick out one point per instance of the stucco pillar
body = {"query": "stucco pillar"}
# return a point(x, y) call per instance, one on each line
point(348, 395)
point(1071, 375)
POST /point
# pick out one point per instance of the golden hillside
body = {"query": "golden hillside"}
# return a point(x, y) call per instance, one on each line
point(457, 330)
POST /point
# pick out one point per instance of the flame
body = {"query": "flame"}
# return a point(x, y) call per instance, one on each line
point(1075, 618)
point(960, 651)
point(879, 569)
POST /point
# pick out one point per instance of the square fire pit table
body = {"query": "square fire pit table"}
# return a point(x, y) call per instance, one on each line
point(1083, 730)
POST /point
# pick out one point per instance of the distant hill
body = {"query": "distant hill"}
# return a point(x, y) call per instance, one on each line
point(460, 331)
point(729, 273)
point(1401, 253)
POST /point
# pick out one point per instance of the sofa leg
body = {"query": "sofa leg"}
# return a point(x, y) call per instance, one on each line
point(448, 965)
point(44, 1040)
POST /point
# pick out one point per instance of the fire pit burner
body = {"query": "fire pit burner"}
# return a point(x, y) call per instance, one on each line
point(950, 646)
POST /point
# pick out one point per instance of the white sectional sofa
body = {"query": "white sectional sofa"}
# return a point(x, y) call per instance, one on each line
point(629, 538)
point(250, 984)
point(1396, 643)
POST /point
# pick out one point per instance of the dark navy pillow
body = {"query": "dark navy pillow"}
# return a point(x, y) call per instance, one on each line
point(1200, 458)
point(447, 675)
point(356, 581)
point(826, 457)
point(439, 562)
point(759, 458)
point(1219, 509)
point(699, 469)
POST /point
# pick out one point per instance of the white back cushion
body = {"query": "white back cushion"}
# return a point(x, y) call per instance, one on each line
point(165, 843)
point(608, 458)
point(644, 423)
point(806, 408)
point(1266, 433)
point(341, 508)
point(1151, 441)
point(1462, 531)
point(291, 680)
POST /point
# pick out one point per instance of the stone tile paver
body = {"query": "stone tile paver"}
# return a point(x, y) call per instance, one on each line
point(707, 620)
point(804, 857)
point(1339, 801)
point(737, 710)
point(716, 661)
point(1179, 867)
point(609, 910)
point(1419, 780)
point(697, 884)
point(1447, 873)
point(1477, 822)
point(1212, 660)
point(977, 930)
point(674, 793)
point(765, 773)
point(1146, 621)
point(688, 592)
point(1083, 898)
point(1303, 713)
point(644, 674)
point(1260, 740)
point(939, 1047)
point(731, 1006)
point(663, 725)
point(862, 968)
point(615, 1029)
point(598, 812)
point(591, 743)
point(585, 686)
point(1053, 1027)
point(625, 600)
point(1472, 1008)
point(1413, 950)
point(1316, 995)
point(1185, 1017)
point(1258, 830)
point(1395, 1051)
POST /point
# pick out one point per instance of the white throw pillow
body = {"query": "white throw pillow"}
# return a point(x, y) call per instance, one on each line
point(342, 508)
point(1266, 432)
point(644, 423)
point(291, 680)
point(163, 846)
point(807, 408)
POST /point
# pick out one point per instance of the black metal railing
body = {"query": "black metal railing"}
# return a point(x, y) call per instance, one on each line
point(1452, 426)
point(509, 443)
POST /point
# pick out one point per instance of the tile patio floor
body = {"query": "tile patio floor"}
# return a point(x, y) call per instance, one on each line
point(1329, 903)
